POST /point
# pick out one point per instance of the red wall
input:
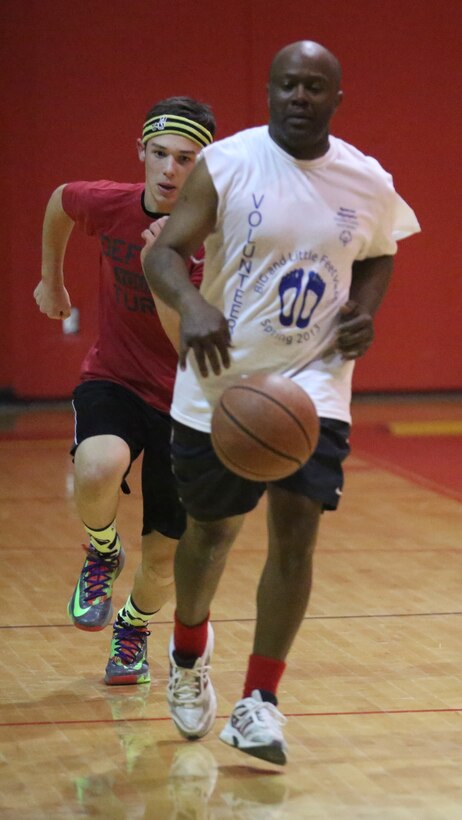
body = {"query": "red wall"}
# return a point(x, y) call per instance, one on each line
point(77, 79)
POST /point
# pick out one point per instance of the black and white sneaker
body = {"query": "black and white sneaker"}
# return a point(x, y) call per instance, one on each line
point(255, 728)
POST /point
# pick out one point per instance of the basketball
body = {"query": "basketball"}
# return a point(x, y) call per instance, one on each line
point(264, 427)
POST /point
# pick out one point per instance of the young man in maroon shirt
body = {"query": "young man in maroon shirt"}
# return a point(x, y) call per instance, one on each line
point(123, 399)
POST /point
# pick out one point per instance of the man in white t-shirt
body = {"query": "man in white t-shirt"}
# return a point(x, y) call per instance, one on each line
point(300, 231)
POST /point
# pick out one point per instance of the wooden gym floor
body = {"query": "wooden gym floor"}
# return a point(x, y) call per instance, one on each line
point(373, 690)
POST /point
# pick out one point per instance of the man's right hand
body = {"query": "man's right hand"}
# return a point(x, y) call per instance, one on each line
point(54, 301)
point(205, 330)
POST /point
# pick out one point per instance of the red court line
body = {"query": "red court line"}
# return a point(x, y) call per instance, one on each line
point(352, 713)
point(372, 712)
point(92, 721)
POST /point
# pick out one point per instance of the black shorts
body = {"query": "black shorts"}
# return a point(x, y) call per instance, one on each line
point(209, 491)
point(107, 408)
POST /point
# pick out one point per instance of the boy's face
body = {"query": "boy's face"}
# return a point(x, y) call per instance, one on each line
point(168, 161)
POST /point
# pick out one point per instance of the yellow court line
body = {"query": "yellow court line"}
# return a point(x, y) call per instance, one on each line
point(426, 428)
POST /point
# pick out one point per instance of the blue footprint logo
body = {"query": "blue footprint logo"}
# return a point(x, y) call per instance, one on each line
point(290, 289)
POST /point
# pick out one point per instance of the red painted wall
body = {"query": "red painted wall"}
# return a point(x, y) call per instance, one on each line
point(77, 79)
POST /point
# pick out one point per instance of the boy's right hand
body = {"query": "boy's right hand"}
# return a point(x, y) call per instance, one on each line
point(151, 234)
point(54, 301)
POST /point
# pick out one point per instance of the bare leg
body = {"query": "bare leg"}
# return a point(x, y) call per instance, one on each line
point(153, 585)
point(285, 583)
point(100, 465)
point(199, 563)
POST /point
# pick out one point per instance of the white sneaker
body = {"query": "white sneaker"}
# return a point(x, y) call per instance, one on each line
point(190, 694)
point(255, 727)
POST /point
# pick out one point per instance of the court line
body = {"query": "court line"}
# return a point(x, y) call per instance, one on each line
point(417, 429)
point(359, 616)
point(248, 551)
point(350, 713)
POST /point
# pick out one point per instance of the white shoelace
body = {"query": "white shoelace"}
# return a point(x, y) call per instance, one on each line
point(187, 685)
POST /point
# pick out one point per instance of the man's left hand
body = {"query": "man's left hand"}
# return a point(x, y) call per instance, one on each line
point(355, 332)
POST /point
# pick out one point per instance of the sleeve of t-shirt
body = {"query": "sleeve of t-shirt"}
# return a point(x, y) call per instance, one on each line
point(220, 159)
point(396, 220)
point(83, 202)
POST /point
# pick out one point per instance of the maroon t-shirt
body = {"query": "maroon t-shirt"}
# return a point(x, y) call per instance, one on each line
point(132, 348)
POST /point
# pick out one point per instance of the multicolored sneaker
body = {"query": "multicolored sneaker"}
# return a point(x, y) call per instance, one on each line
point(128, 659)
point(90, 607)
point(190, 694)
point(255, 728)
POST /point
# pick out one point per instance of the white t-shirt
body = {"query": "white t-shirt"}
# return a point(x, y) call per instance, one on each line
point(278, 263)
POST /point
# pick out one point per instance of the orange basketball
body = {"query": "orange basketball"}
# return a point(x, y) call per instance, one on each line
point(264, 427)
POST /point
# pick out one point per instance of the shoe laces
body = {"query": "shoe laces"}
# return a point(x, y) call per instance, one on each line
point(187, 684)
point(129, 641)
point(263, 714)
point(98, 574)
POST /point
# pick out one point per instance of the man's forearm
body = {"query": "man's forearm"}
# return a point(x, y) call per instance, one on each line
point(168, 278)
point(370, 281)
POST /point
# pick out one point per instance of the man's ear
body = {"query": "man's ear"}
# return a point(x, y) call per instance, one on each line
point(141, 150)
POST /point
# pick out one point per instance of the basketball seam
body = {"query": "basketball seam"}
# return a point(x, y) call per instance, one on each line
point(278, 404)
point(237, 466)
point(256, 438)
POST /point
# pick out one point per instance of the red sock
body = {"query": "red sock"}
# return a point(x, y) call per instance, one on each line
point(190, 641)
point(263, 673)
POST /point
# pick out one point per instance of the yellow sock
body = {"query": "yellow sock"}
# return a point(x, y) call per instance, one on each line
point(133, 616)
point(105, 540)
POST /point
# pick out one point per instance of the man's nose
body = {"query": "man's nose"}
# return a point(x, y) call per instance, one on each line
point(300, 93)
point(169, 167)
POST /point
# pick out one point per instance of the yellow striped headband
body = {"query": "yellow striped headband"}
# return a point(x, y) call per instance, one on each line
point(181, 126)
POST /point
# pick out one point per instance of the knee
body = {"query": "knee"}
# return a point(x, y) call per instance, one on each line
point(157, 563)
point(293, 528)
point(211, 540)
point(292, 551)
point(94, 478)
point(96, 469)
point(295, 562)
